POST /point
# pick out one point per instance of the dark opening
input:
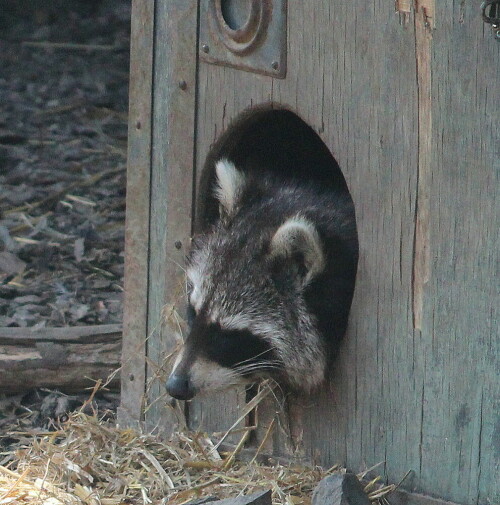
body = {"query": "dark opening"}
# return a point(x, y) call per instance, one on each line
point(272, 139)
point(267, 139)
point(235, 13)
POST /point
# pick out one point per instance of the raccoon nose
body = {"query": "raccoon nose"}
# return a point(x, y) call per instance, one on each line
point(179, 386)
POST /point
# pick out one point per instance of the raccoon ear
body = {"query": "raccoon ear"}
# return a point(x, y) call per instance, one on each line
point(230, 182)
point(298, 245)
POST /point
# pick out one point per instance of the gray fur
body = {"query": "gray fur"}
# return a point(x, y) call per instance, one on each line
point(260, 268)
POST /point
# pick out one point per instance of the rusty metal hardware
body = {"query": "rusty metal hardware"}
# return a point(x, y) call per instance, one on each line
point(490, 10)
point(241, 39)
point(245, 34)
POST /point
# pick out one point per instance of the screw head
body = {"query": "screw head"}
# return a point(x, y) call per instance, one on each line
point(183, 85)
point(205, 48)
point(275, 65)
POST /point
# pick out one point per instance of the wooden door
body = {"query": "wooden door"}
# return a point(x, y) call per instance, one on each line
point(407, 102)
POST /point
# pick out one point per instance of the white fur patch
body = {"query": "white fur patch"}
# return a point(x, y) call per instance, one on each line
point(229, 183)
point(298, 234)
point(209, 376)
point(196, 294)
point(235, 322)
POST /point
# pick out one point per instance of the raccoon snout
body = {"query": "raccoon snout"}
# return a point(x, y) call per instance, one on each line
point(180, 387)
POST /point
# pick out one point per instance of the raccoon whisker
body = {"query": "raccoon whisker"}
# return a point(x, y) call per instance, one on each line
point(266, 364)
point(258, 364)
point(257, 369)
point(256, 356)
point(253, 367)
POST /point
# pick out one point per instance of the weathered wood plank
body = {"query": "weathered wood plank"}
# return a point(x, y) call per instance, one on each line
point(461, 399)
point(424, 24)
point(67, 359)
point(175, 57)
point(135, 328)
point(71, 334)
point(403, 498)
point(363, 100)
point(409, 120)
point(354, 83)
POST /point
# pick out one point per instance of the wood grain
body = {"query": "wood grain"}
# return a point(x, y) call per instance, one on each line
point(172, 165)
point(135, 328)
point(67, 359)
point(461, 397)
point(410, 111)
point(416, 385)
point(424, 13)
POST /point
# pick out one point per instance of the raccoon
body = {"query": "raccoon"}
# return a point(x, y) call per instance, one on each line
point(270, 285)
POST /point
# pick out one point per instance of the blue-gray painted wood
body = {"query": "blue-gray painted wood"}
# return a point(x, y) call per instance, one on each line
point(461, 391)
point(417, 398)
point(411, 115)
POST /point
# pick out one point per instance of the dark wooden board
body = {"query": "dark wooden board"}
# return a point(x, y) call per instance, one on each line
point(135, 329)
point(171, 192)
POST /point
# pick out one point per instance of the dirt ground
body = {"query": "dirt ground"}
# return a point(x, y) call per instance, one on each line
point(63, 131)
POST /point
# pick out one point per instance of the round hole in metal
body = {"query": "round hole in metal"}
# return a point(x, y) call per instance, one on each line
point(235, 13)
point(243, 40)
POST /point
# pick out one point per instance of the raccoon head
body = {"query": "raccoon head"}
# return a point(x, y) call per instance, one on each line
point(246, 298)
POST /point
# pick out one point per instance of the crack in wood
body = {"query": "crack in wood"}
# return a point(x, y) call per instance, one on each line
point(424, 21)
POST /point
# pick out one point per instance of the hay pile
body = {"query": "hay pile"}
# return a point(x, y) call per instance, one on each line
point(91, 462)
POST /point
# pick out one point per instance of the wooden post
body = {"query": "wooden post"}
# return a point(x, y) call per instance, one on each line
point(172, 162)
point(135, 329)
point(159, 198)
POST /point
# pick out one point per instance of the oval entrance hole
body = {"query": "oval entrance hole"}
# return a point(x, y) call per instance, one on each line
point(268, 139)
